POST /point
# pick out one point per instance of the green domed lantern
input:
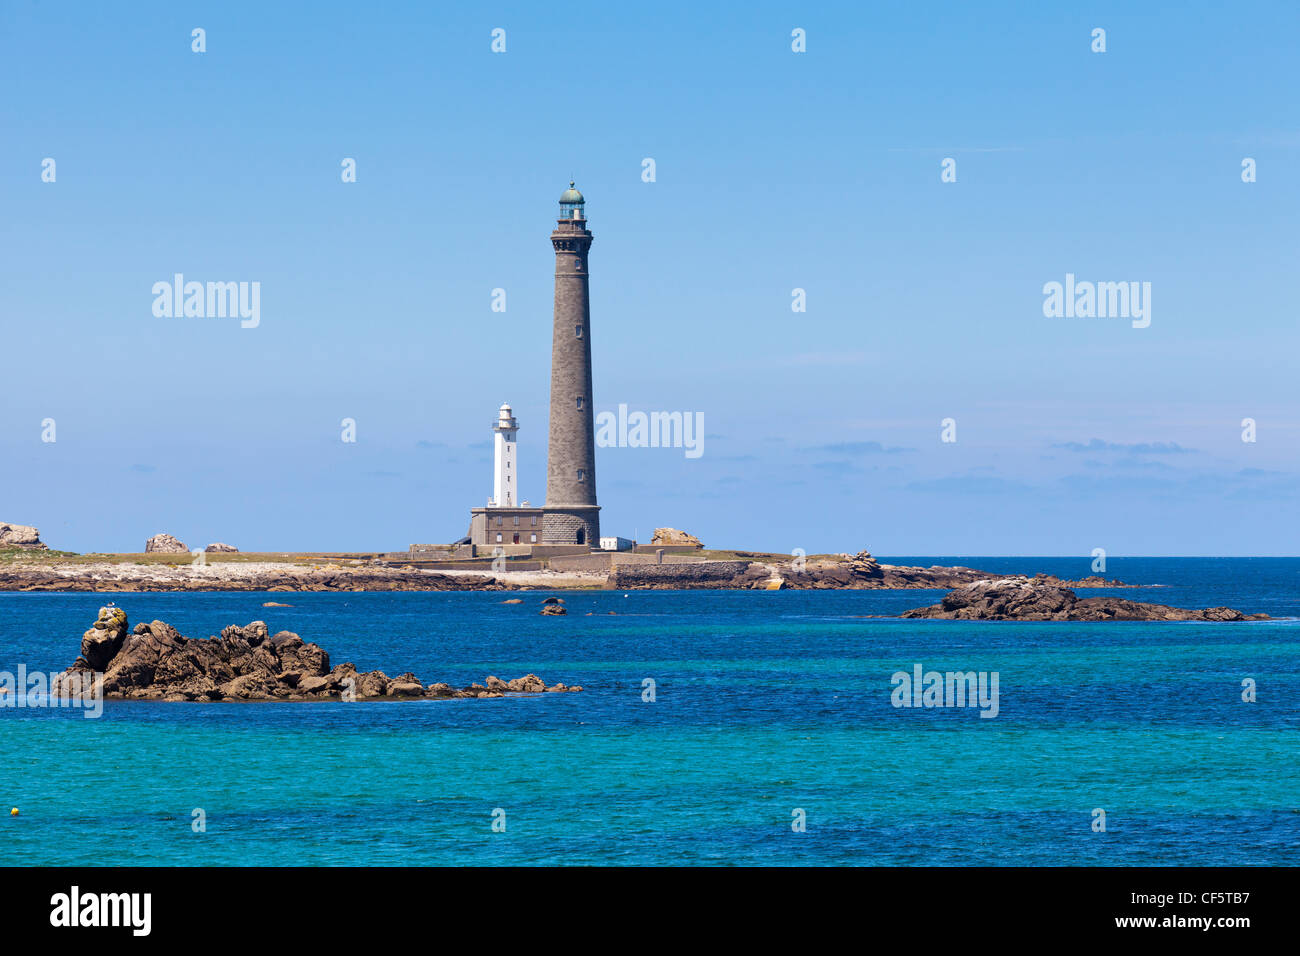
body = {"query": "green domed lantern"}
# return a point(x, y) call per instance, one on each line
point(571, 204)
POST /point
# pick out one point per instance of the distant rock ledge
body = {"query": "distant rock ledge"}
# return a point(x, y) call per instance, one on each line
point(20, 536)
point(128, 577)
point(1034, 599)
point(855, 572)
point(674, 537)
point(165, 544)
point(155, 662)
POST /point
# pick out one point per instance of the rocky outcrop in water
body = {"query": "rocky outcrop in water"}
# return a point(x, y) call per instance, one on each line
point(155, 662)
point(165, 544)
point(858, 571)
point(1037, 599)
point(863, 571)
point(20, 536)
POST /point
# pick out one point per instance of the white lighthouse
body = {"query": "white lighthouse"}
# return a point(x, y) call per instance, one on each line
point(505, 487)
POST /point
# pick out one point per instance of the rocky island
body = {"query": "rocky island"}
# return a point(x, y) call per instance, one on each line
point(1041, 599)
point(118, 576)
point(165, 565)
point(155, 662)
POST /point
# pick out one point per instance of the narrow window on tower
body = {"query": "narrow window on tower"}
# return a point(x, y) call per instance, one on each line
point(582, 475)
point(577, 331)
point(577, 263)
point(579, 401)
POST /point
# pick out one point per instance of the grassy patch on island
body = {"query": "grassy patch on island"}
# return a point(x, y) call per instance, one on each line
point(298, 558)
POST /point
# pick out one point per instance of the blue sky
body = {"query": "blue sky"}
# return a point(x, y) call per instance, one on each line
point(775, 170)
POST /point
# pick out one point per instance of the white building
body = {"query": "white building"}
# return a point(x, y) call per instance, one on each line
point(507, 525)
point(505, 487)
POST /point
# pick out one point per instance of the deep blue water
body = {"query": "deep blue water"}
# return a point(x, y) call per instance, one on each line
point(766, 702)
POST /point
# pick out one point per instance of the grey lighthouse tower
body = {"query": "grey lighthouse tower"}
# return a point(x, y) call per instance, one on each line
point(571, 515)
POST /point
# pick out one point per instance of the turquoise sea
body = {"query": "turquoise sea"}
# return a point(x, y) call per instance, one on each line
point(766, 703)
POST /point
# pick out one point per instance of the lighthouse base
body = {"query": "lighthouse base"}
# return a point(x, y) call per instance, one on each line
point(579, 525)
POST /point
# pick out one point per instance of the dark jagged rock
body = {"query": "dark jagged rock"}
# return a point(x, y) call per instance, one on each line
point(1039, 599)
point(1091, 581)
point(155, 662)
point(100, 644)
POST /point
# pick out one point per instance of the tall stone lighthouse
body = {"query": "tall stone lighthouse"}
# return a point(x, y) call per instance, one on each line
point(571, 515)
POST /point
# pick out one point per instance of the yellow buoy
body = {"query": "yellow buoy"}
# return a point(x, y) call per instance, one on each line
point(13, 811)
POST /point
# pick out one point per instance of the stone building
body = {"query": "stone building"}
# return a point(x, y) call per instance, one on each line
point(570, 518)
point(572, 515)
point(514, 530)
point(507, 521)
